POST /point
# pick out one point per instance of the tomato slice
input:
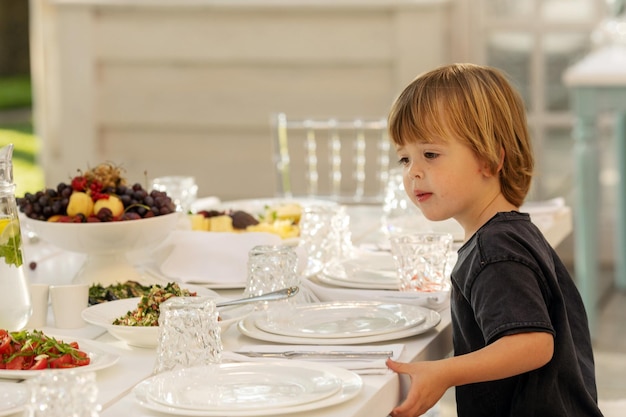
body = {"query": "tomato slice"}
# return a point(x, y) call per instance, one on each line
point(41, 363)
point(61, 361)
point(16, 364)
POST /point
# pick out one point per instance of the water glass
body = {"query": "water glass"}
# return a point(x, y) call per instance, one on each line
point(400, 215)
point(181, 189)
point(422, 261)
point(189, 334)
point(271, 268)
point(325, 235)
point(63, 393)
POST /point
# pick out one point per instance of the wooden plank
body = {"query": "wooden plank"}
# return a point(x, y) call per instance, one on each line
point(169, 35)
point(196, 96)
point(227, 163)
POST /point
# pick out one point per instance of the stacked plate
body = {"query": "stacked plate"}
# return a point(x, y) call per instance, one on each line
point(248, 389)
point(338, 323)
point(366, 270)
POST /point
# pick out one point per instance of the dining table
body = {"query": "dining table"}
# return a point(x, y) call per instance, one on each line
point(380, 392)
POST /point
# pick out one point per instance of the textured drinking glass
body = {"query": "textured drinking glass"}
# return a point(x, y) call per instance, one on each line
point(400, 215)
point(63, 393)
point(271, 268)
point(181, 189)
point(189, 334)
point(325, 235)
point(421, 260)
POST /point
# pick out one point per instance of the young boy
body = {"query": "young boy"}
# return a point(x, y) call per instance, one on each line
point(521, 337)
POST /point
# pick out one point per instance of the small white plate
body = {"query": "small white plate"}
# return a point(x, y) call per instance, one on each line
point(340, 319)
point(13, 398)
point(104, 314)
point(350, 385)
point(99, 360)
point(248, 327)
point(368, 270)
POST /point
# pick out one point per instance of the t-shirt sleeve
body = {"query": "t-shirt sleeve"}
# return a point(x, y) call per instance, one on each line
point(507, 298)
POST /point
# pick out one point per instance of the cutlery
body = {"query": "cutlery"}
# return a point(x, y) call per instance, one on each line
point(270, 296)
point(340, 354)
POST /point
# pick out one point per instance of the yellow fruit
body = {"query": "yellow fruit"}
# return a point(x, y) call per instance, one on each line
point(8, 229)
point(80, 203)
point(222, 223)
point(113, 203)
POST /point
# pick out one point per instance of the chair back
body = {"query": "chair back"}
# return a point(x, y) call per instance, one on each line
point(346, 161)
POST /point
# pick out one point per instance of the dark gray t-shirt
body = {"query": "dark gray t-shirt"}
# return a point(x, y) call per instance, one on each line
point(509, 280)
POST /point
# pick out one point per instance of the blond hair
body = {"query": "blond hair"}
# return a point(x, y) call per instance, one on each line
point(476, 105)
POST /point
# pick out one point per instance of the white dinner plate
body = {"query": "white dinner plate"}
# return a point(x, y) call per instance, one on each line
point(350, 385)
point(242, 385)
point(339, 319)
point(99, 360)
point(13, 398)
point(248, 327)
point(104, 314)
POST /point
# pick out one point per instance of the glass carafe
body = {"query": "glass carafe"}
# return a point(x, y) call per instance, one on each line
point(15, 305)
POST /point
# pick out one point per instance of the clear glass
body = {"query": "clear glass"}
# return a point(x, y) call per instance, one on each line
point(324, 235)
point(400, 215)
point(189, 334)
point(15, 303)
point(63, 393)
point(271, 268)
point(423, 260)
point(181, 189)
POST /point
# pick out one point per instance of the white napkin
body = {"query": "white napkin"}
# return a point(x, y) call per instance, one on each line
point(361, 366)
point(437, 301)
point(210, 257)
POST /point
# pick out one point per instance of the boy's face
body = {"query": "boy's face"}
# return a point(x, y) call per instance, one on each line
point(445, 179)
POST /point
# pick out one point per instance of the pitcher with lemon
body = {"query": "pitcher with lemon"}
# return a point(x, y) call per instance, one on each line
point(15, 305)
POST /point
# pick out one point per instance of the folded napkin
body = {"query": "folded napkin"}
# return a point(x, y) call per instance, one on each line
point(210, 257)
point(437, 301)
point(361, 366)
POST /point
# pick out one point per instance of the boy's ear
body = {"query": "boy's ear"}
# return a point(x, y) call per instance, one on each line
point(488, 168)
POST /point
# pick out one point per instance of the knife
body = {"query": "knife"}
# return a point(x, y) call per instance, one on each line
point(337, 354)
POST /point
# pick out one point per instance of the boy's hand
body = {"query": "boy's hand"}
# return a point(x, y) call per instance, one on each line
point(427, 387)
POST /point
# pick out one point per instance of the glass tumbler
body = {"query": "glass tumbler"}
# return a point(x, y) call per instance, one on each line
point(189, 334)
point(63, 393)
point(422, 261)
point(400, 215)
point(271, 268)
point(181, 189)
point(325, 235)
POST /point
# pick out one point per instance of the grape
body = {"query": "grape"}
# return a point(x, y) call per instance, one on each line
point(138, 203)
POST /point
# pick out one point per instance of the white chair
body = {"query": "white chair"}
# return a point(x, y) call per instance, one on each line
point(346, 161)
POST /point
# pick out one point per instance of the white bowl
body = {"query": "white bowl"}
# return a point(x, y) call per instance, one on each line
point(106, 244)
point(104, 314)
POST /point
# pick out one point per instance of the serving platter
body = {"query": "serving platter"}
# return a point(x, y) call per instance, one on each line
point(104, 314)
point(343, 386)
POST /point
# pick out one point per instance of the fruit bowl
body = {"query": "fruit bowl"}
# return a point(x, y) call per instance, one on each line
point(107, 244)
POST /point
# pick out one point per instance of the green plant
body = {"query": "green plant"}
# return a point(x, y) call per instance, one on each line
point(15, 92)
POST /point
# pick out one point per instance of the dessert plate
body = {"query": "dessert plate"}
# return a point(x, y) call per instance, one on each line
point(368, 270)
point(342, 386)
point(340, 319)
